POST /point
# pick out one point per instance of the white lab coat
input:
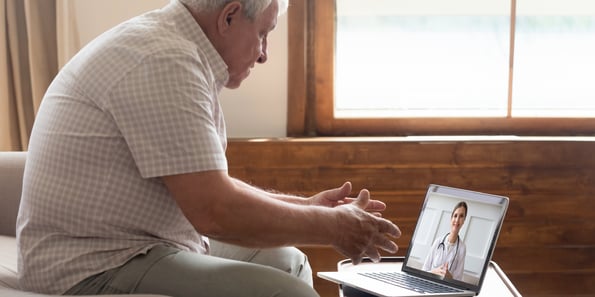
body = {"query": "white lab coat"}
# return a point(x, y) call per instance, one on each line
point(439, 254)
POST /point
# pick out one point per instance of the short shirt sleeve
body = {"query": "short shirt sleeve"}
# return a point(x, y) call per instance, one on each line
point(168, 113)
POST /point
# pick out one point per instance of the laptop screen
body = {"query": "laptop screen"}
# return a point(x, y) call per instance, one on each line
point(455, 236)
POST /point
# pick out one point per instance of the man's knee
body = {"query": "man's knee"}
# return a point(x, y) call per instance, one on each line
point(190, 275)
point(288, 259)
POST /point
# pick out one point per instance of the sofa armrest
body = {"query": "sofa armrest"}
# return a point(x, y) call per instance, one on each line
point(12, 165)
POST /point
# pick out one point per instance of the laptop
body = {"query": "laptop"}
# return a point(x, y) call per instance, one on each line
point(468, 257)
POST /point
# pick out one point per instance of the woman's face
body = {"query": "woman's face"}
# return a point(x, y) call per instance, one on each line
point(457, 219)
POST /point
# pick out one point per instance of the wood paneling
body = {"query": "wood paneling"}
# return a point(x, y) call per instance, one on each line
point(297, 79)
point(547, 238)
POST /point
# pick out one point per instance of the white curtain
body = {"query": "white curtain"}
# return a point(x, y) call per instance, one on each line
point(28, 63)
point(37, 38)
point(69, 42)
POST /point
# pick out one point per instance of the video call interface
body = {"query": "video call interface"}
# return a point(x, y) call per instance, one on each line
point(454, 235)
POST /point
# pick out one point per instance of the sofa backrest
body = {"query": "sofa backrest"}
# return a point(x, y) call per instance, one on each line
point(12, 165)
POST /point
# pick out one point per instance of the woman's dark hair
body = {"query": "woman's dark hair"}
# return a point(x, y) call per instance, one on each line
point(459, 205)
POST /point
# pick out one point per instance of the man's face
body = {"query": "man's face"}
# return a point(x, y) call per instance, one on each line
point(246, 43)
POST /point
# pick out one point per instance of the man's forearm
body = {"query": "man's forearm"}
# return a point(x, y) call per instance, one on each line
point(235, 212)
point(279, 196)
point(282, 223)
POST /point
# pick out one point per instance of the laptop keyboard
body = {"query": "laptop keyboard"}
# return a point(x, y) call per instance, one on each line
point(409, 282)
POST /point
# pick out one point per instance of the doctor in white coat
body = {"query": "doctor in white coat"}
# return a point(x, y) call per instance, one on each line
point(447, 255)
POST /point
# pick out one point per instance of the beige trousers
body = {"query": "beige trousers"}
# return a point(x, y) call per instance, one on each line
point(229, 271)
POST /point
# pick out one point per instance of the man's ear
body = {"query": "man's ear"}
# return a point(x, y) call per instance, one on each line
point(228, 16)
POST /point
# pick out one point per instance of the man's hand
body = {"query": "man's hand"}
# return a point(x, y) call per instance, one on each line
point(359, 233)
point(338, 196)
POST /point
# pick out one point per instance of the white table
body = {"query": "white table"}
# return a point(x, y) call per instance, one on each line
point(495, 284)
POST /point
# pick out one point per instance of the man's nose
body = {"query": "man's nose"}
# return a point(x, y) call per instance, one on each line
point(263, 52)
point(263, 57)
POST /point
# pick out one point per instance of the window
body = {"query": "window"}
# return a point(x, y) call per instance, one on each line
point(405, 67)
point(421, 59)
point(554, 60)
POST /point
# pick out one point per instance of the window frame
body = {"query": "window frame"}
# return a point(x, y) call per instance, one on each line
point(311, 30)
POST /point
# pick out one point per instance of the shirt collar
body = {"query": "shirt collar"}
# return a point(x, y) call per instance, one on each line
point(188, 27)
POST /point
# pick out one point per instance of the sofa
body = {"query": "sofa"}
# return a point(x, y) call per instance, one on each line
point(11, 175)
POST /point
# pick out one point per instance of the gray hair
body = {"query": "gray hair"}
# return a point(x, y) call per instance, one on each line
point(251, 7)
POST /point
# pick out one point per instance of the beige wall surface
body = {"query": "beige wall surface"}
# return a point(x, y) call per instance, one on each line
point(257, 109)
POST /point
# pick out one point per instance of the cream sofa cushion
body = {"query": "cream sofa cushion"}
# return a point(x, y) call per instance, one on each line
point(8, 262)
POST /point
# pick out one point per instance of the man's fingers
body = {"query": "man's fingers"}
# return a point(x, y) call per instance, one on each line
point(356, 260)
point(387, 244)
point(345, 189)
point(376, 214)
point(387, 227)
point(362, 199)
point(376, 206)
point(381, 242)
point(373, 254)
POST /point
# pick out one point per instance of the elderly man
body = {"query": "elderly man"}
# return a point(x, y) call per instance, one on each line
point(126, 188)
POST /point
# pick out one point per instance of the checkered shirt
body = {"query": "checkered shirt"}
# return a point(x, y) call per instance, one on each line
point(137, 103)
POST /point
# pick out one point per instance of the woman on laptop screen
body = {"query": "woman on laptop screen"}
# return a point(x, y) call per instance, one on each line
point(447, 255)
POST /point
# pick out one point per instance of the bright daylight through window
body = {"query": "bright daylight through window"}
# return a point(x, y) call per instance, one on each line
point(435, 58)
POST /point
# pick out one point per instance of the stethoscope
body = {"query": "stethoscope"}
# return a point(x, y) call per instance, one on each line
point(441, 244)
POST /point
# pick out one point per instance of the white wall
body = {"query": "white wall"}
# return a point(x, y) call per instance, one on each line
point(257, 109)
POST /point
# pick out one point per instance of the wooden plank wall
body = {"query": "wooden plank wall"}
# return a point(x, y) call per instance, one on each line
point(547, 244)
